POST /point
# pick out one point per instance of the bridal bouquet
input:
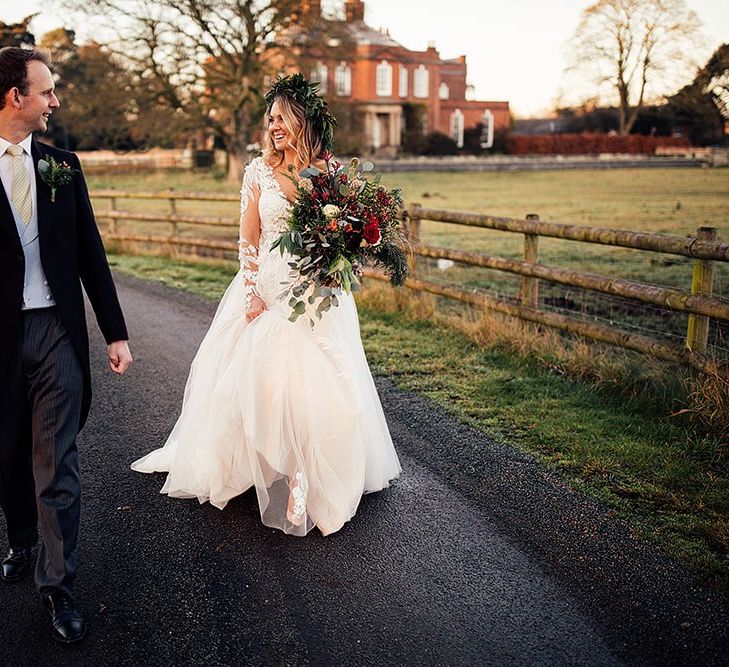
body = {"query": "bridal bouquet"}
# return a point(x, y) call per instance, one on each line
point(341, 221)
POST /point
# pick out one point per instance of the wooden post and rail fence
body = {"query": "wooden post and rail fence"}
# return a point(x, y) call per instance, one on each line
point(699, 303)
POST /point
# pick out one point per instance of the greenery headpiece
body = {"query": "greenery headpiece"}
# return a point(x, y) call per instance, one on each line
point(306, 95)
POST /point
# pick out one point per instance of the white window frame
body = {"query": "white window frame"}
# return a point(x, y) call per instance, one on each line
point(403, 81)
point(421, 82)
point(383, 79)
point(457, 127)
point(487, 136)
point(343, 80)
point(444, 92)
point(320, 74)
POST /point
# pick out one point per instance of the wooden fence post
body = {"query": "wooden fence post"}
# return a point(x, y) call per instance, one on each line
point(413, 236)
point(173, 212)
point(112, 221)
point(702, 282)
point(530, 286)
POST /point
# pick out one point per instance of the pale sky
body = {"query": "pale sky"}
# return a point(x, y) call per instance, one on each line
point(515, 50)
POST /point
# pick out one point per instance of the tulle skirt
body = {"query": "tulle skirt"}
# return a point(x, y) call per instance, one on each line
point(283, 407)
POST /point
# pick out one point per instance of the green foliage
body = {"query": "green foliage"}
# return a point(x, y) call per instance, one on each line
point(413, 135)
point(101, 106)
point(437, 143)
point(702, 106)
point(340, 221)
point(350, 138)
point(55, 175)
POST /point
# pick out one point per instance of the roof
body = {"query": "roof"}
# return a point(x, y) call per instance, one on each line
point(364, 34)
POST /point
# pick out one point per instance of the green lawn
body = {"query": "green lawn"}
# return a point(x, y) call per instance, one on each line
point(668, 480)
point(673, 201)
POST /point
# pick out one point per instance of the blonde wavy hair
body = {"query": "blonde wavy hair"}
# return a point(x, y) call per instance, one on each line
point(305, 140)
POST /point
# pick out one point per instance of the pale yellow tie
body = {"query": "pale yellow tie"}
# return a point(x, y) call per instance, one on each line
point(21, 185)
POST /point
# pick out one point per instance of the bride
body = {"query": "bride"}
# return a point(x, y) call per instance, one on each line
point(282, 406)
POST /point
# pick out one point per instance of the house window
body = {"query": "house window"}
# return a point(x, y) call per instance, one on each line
point(421, 82)
point(320, 73)
point(487, 129)
point(384, 79)
point(457, 127)
point(403, 83)
point(444, 92)
point(343, 79)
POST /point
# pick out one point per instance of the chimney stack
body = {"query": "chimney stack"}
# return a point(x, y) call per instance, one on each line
point(311, 7)
point(354, 10)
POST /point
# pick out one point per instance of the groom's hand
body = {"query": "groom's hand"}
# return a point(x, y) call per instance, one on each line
point(119, 356)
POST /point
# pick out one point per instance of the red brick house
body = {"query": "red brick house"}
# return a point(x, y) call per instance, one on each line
point(383, 75)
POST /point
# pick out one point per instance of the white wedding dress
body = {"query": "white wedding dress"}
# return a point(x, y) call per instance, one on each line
point(278, 405)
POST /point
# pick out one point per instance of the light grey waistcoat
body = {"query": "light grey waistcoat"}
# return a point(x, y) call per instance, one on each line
point(36, 293)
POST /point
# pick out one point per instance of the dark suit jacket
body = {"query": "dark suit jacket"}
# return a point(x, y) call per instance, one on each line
point(71, 253)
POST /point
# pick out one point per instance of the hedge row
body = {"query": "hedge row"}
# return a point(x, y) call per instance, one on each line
point(587, 144)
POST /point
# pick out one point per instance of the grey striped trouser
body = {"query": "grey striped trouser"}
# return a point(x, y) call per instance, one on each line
point(40, 482)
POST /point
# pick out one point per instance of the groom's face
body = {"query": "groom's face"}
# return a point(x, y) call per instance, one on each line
point(40, 102)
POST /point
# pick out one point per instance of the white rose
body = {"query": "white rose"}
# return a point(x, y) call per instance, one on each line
point(306, 184)
point(330, 211)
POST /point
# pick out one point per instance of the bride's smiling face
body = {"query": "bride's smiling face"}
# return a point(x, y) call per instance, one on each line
point(280, 136)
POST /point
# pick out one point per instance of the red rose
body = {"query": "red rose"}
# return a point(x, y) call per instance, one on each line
point(371, 233)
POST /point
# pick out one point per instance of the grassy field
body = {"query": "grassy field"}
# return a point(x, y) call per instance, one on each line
point(674, 201)
point(667, 479)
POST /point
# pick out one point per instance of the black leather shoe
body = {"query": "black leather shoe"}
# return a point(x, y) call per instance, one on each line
point(68, 626)
point(16, 564)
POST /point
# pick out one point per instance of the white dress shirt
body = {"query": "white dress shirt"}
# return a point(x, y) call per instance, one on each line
point(36, 292)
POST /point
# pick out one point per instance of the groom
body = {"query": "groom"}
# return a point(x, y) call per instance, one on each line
point(49, 245)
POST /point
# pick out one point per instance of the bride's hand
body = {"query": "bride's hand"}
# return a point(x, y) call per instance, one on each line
point(256, 308)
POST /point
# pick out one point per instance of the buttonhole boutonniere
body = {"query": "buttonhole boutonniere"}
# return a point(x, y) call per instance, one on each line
point(55, 175)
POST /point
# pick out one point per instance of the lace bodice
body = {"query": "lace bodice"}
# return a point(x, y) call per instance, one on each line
point(273, 209)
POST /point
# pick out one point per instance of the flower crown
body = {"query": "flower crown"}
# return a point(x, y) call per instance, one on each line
point(306, 95)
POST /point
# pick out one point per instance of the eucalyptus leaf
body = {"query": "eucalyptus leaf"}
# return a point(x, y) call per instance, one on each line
point(367, 166)
point(343, 189)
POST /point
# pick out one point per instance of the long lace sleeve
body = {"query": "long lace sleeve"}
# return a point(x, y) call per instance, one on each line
point(250, 231)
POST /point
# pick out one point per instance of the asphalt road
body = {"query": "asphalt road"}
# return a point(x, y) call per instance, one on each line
point(477, 555)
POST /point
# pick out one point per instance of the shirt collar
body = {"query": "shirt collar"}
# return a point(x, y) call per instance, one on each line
point(26, 143)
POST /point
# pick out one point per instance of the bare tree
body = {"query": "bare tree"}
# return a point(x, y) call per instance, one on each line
point(207, 61)
point(634, 48)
